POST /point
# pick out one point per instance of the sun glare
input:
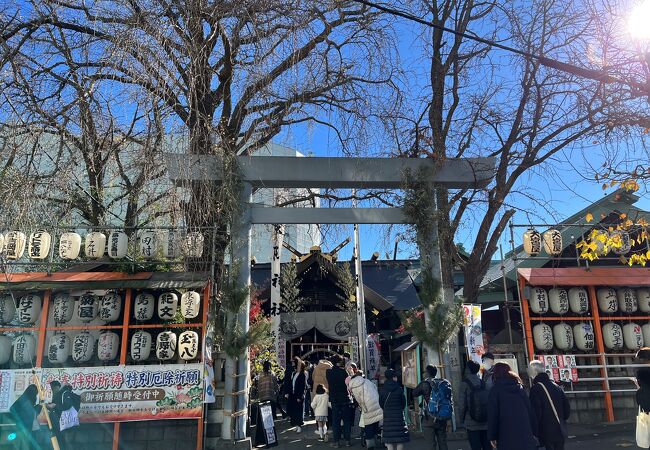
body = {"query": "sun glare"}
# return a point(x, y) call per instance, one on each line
point(639, 21)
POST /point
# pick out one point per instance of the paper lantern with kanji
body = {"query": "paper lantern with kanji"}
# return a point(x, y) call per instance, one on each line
point(15, 245)
point(190, 304)
point(192, 245)
point(632, 336)
point(607, 300)
point(118, 244)
point(58, 349)
point(148, 244)
point(539, 301)
point(83, 347)
point(165, 345)
point(39, 244)
point(532, 242)
point(627, 301)
point(578, 300)
point(5, 349)
point(7, 308)
point(110, 307)
point(167, 305)
point(543, 337)
point(63, 307)
point(552, 242)
point(613, 336)
point(95, 245)
point(108, 346)
point(88, 307)
point(188, 345)
point(170, 244)
point(143, 307)
point(622, 238)
point(29, 309)
point(69, 246)
point(643, 299)
point(140, 346)
point(558, 300)
point(24, 349)
point(563, 336)
point(583, 336)
point(645, 330)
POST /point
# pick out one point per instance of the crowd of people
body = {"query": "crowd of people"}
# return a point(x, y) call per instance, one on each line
point(493, 406)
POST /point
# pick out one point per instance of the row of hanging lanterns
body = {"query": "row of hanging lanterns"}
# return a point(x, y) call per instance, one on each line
point(168, 305)
point(560, 301)
point(563, 337)
point(151, 244)
point(82, 347)
point(550, 241)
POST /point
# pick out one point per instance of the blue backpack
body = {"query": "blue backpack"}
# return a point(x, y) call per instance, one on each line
point(441, 405)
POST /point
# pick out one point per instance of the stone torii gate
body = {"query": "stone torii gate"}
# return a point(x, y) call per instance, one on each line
point(314, 172)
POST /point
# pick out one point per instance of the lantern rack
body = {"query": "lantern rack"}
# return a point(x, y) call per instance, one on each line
point(75, 279)
point(590, 279)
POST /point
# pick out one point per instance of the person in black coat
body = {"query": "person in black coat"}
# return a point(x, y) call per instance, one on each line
point(295, 393)
point(24, 411)
point(550, 432)
point(340, 400)
point(511, 421)
point(643, 380)
point(392, 400)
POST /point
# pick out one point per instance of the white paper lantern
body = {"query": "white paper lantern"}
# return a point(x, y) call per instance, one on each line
point(633, 336)
point(170, 244)
point(143, 307)
point(140, 346)
point(110, 307)
point(148, 244)
point(188, 345)
point(108, 346)
point(95, 245)
point(558, 300)
point(118, 244)
point(553, 242)
point(645, 330)
point(627, 300)
point(5, 349)
point(613, 336)
point(643, 298)
point(543, 337)
point(607, 300)
point(63, 307)
point(578, 300)
point(192, 245)
point(39, 244)
point(167, 305)
point(165, 345)
point(88, 307)
point(69, 245)
point(58, 349)
point(190, 304)
point(24, 349)
point(539, 300)
point(532, 242)
point(583, 335)
point(29, 309)
point(15, 245)
point(624, 239)
point(7, 308)
point(83, 347)
point(563, 336)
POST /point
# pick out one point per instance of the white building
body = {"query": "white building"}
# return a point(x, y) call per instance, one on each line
point(300, 237)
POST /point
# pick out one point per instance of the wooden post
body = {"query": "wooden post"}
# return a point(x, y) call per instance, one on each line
point(528, 331)
point(42, 328)
point(123, 350)
point(204, 331)
point(600, 346)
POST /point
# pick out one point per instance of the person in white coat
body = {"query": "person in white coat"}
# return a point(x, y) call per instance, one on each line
point(365, 393)
point(320, 404)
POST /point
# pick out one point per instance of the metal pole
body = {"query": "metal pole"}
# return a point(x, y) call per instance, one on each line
point(361, 306)
point(505, 293)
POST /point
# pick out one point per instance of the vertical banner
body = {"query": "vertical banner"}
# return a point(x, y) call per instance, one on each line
point(374, 357)
point(473, 332)
point(276, 298)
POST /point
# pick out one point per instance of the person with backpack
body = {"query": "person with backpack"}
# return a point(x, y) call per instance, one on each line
point(392, 400)
point(473, 406)
point(437, 407)
point(551, 408)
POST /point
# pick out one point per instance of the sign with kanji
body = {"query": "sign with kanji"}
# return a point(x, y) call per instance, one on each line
point(473, 332)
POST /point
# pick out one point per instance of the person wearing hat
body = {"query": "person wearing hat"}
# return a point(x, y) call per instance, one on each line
point(392, 400)
point(488, 370)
